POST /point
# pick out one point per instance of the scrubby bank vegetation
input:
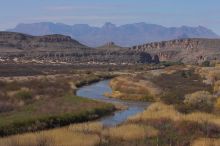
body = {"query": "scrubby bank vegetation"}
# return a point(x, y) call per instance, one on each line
point(160, 124)
point(186, 112)
point(189, 108)
point(188, 88)
point(32, 103)
point(133, 88)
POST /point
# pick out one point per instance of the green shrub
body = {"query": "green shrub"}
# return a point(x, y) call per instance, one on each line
point(206, 64)
point(24, 95)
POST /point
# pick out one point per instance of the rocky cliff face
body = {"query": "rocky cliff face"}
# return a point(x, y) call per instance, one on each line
point(58, 48)
point(186, 50)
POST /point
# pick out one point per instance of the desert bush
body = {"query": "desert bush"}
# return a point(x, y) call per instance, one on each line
point(217, 87)
point(6, 107)
point(131, 132)
point(157, 111)
point(24, 95)
point(210, 74)
point(214, 75)
point(217, 104)
point(87, 128)
point(206, 142)
point(134, 88)
point(200, 100)
point(206, 64)
point(11, 86)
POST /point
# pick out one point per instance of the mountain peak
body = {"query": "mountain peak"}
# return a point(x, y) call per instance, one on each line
point(109, 25)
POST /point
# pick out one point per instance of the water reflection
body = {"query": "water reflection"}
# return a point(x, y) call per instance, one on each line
point(96, 91)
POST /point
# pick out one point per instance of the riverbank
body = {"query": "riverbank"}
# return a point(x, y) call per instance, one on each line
point(43, 102)
point(187, 112)
point(125, 108)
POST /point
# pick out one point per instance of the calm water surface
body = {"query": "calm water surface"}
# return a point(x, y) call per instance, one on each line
point(96, 91)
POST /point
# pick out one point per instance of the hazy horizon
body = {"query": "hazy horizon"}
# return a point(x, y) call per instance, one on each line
point(170, 13)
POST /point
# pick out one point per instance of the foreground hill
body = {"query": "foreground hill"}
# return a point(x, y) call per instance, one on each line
point(17, 42)
point(60, 48)
point(124, 35)
point(185, 50)
point(22, 48)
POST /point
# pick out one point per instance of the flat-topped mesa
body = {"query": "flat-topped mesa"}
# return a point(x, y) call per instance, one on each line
point(186, 50)
point(111, 46)
point(54, 38)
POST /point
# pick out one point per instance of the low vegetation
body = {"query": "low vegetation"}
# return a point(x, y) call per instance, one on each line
point(131, 132)
point(160, 124)
point(133, 88)
point(186, 109)
point(86, 134)
point(201, 100)
point(206, 142)
point(74, 135)
point(177, 128)
point(41, 102)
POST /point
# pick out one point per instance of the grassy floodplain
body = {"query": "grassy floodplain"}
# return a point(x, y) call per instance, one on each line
point(32, 103)
point(185, 112)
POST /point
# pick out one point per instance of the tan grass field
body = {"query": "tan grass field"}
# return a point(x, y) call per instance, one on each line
point(86, 134)
point(131, 132)
point(128, 87)
point(163, 111)
point(206, 142)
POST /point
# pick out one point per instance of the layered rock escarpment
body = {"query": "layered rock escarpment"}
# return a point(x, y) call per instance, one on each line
point(185, 50)
point(59, 48)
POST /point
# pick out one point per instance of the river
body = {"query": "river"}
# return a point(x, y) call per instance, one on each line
point(96, 91)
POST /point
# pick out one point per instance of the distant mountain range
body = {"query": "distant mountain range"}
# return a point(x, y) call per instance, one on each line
point(124, 35)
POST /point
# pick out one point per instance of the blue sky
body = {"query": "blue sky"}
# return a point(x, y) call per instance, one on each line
point(96, 12)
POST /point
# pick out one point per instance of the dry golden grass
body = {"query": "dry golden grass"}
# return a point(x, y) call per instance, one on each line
point(217, 104)
point(217, 86)
point(199, 98)
point(210, 74)
point(133, 88)
point(160, 111)
point(74, 135)
point(206, 142)
point(86, 134)
point(130, 132)
point(202, 118)
point(159, 72)
point(87, 128)
point(157, 111)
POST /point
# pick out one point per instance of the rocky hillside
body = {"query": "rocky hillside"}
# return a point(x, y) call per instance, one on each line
point(20, 48)
point(17, 42)
point(124, 35)
point(185, 50)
